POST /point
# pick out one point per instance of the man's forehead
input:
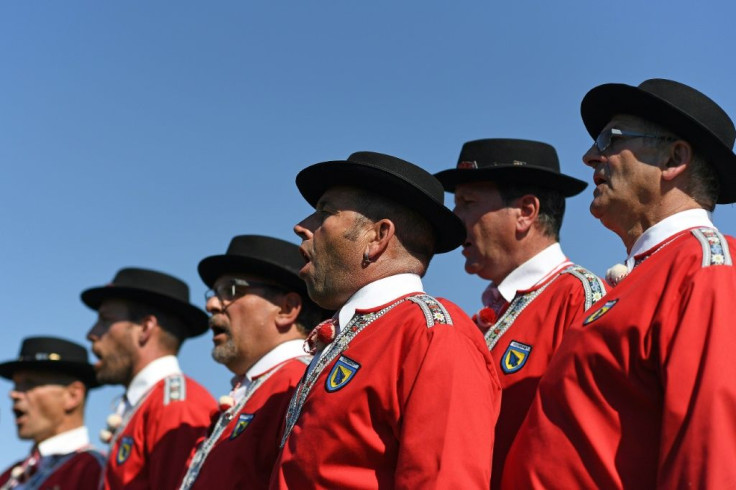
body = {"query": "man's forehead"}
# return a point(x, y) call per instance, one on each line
point(477, 187)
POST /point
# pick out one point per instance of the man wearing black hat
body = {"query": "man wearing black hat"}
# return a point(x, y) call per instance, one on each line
point(402, 392)
point(510, 195)
point(260, 316)
point(51, 379)
point(143, 317)
point(641, 392)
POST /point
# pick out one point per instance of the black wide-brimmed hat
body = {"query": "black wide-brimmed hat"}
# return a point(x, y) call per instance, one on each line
point(683, 110)
point(269, 258)
point(392, 177)
point(504, 160)
point(54, 355)
point(155, 289)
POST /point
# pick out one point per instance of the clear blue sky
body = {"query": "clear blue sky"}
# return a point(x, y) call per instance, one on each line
point(149, 133)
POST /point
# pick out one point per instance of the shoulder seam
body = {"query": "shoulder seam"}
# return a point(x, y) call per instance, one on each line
point(175, 388)
point(593, 286)
point(714, 245)
point(434, 311)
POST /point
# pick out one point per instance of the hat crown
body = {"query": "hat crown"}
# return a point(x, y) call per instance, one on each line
point(51, 349)
point(279, 252)
point(697, 105)
point(151, 281)
point(493, 152)
point(406, 171)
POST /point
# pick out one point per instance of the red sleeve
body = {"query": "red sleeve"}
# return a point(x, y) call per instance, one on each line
point(696, 341)
point(451, 398)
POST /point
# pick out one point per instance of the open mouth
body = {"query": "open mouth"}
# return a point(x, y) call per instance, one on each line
point(304, 255)
point(18, 413)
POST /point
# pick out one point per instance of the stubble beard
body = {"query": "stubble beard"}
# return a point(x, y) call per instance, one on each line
point(116, 369)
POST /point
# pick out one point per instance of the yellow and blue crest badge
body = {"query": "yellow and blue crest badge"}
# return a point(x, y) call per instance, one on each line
point(600, 311)
point(342, 372)
point(243, 421)
point(126, 447)
point(515, 357)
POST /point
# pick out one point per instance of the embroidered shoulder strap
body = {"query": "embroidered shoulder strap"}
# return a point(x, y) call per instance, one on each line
point(434, 311)
point(715, 247)
point(175, 389)
point(592, 284)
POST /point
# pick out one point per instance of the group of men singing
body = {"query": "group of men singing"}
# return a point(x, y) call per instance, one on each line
point(348, 375)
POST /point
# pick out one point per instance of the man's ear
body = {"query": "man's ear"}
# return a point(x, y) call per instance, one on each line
point(290, 306)
point(528, 211)
point(74, 394)
point(680, 155)
point(381, 233)
point(148, 323)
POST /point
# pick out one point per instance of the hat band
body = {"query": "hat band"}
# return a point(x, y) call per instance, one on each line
point(41, 356)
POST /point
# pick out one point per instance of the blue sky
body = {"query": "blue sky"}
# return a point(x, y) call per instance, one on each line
point(149, 133)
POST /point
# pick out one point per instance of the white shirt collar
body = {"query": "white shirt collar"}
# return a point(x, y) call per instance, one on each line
point(668, 227)
point(154, 372)
point(379, 293)
point(533, 271)
point(282, 352)
point(65, 443)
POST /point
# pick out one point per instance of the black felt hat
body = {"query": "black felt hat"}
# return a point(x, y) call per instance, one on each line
point(153, 288)
point(52, 354)
point(683, 110)
point(510, 161)
point(392, 177)
point(271, 259)
point(265, 257)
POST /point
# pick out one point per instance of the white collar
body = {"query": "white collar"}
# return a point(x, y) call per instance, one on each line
point(282, 352)
point(65, 443)
point(379, 293)
point(533, 271)
point(154, 372)
point(668, 227)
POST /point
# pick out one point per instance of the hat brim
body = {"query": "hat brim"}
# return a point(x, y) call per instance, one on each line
point(215, 266)
point(195, 320)
point(602, 103)
point(313, 181)
point(523, 175)
point(85, 372)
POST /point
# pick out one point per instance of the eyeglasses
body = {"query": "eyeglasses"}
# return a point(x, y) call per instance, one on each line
point(232, 289)
point(608, 136)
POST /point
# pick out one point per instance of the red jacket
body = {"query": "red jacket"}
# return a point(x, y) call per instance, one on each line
point(244, 454)
point(151, 451)
point(641, 392)
point(410, 403)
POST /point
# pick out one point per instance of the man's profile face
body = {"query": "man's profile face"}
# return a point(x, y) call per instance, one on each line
point(626, 175)
point(113, 342)
point(332, 246)
point(490, 229)
point(39, 399)
point(242, 327)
